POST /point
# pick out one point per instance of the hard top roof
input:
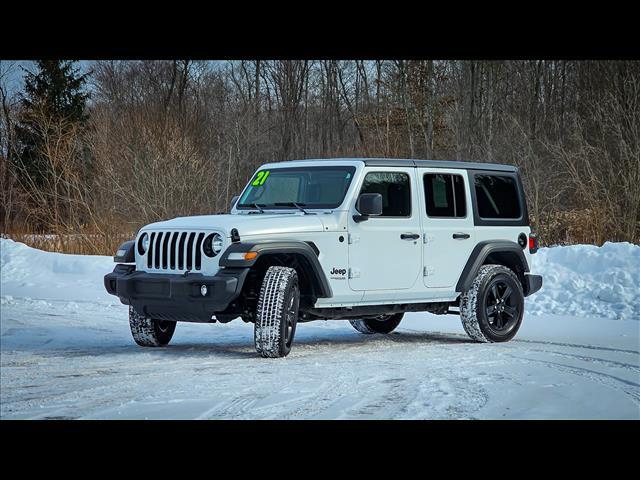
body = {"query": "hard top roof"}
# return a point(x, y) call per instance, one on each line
point(403, 162)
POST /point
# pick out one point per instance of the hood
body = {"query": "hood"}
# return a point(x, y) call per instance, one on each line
point(253, 224)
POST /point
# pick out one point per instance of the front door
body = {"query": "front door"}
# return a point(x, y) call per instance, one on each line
point(448, 225)
point(385, 251)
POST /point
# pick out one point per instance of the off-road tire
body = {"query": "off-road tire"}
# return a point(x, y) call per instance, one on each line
point(277, 312)
point(380, 324)
point(473, 308)
point(148, 332)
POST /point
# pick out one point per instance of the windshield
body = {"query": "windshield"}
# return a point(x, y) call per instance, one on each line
point(311, 187)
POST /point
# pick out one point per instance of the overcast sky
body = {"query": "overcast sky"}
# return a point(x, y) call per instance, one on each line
point(15, 74)
point(12, 75)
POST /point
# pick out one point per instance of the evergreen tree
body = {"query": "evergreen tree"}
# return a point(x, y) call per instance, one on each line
point(54, 91)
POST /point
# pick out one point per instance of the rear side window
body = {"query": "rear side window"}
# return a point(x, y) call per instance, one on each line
point(497, 196)
point(395, 191)
point(444, 195)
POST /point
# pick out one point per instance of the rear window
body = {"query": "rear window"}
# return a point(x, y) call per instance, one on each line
point(444, 195)
point(497, 196)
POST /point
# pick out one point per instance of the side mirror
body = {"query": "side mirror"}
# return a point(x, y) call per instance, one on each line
point(233, 201)
point(368, 204)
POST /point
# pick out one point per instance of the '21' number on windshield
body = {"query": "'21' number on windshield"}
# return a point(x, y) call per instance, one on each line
point(261, 177)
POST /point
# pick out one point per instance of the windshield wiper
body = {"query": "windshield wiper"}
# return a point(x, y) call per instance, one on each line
point(293, 204)
point(257, 206)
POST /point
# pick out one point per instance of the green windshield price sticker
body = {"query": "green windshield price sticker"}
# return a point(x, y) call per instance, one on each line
point(261, 177)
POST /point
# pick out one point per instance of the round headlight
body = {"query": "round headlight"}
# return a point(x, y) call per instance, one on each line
point(143, 243)
point(212, 245)
point(217, 243)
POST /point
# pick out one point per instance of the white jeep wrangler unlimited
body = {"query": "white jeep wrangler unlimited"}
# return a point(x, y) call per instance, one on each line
point(359, 239)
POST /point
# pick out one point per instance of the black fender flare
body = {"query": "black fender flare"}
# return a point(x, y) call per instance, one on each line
point(480, 253)
point(269, 247)
point(125, 252)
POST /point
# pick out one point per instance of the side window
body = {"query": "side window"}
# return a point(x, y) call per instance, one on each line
point(395, 190)
point(444, 195)
point(497, 196)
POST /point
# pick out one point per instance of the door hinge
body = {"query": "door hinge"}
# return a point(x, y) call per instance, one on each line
point(427, 238)
point(353, 238)
point(354, 273)
point(428, 271)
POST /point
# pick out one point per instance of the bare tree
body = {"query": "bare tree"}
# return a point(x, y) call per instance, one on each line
point(168, 138)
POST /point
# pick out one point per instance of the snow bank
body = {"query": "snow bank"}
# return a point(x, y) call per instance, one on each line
point(579, 280)
point(585, 280)
point(27, 272)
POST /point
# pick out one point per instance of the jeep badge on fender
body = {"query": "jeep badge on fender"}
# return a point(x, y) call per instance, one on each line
point(444, 237)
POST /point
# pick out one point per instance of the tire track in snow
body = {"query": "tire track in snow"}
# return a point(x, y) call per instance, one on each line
point(577, 345)
point(607, 379)
point(465, 339)
point(395, 392)
point(596, 360)
point(232, 408)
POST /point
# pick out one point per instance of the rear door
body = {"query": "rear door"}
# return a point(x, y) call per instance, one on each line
point(447, 218)
point(385, 251)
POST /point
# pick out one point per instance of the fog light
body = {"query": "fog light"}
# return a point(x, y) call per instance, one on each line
point(203, 290)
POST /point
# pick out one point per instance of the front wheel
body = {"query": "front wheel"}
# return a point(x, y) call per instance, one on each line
point(377, 324)
point(277, 312)
point(148, 332)
point(492, 309)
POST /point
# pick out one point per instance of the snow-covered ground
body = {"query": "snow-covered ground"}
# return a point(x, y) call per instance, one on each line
point(66, 352)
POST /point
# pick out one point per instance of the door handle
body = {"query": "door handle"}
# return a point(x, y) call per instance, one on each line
point(409, 236)
point(461, 236)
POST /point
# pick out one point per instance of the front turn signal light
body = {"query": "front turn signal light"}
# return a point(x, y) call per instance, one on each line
point(242, 255)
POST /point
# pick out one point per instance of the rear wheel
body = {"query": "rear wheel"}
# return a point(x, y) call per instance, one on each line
point(277, 312)
point(377, 324)
point(148, 332)
point(492, 309)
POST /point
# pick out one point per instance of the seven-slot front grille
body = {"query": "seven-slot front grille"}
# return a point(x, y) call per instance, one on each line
point(175, 250)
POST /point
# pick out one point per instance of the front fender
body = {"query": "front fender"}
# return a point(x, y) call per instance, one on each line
point(125, 252)
point(265, 248)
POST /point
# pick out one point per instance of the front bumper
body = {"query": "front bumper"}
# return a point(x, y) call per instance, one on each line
point(532, 283)
point(175, 297)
